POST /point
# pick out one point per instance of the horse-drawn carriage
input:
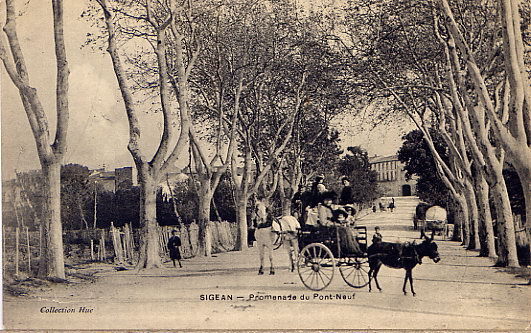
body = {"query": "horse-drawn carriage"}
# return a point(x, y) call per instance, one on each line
point(322, 252)
point(326, 246)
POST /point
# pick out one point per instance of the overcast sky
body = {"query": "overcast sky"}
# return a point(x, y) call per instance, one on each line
point(98, 130)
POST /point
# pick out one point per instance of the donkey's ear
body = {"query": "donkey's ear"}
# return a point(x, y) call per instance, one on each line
point(432, 235)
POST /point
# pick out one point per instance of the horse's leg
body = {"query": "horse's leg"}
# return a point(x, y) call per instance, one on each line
point(295, 251)
point(287, 244)
point(411, 281)
point(272, 269)
point(261, 253)
point(375, 274)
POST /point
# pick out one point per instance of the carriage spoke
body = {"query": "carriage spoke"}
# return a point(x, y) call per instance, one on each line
point(314, 278)
point(364, 279)
point(319, 274)
point(352, 270)
point(327, 276)
point(305, 271)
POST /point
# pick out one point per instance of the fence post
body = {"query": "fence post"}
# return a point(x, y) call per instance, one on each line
point(116, 243)
point(29, 250)
point(16, 250)
point(4, 236)
point(131, 241)
point(102, 242)
point(41, 250)
point(123, 244)
point(128, 242)
point(92, 250)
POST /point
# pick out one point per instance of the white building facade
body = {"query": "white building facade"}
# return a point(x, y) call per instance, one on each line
point(391, 176)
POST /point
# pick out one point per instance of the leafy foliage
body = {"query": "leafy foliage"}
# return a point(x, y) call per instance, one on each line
point(356, 167)
point(76, 197)
point(418, 161)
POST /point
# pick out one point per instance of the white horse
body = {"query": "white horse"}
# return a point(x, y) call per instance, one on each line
point(265, 236)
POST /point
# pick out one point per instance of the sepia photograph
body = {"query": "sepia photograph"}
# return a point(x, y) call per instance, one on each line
point(266, 165)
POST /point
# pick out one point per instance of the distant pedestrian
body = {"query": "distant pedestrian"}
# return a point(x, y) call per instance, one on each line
point(347, 196)
point(173, 246)
point(377, 237)
point(392, 205)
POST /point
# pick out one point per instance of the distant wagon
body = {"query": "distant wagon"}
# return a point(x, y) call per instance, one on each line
point(435, 219)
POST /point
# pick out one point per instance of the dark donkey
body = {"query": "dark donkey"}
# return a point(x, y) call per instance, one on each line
point(396, 255)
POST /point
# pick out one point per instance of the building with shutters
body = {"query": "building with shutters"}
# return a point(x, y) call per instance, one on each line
point(391, 176)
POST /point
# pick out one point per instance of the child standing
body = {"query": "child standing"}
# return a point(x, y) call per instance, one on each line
point(377, 237)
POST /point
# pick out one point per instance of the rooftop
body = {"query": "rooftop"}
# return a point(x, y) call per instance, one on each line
point(378, 159)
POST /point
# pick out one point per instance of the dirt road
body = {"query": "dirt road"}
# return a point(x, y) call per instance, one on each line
point(462, 291)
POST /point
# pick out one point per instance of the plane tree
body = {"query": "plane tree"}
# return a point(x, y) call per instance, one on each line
point(51, 146)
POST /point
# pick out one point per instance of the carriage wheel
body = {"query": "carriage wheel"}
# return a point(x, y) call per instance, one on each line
point(316, 266)
point(355, 271)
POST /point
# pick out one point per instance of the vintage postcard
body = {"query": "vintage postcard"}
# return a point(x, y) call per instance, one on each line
point(265, 165)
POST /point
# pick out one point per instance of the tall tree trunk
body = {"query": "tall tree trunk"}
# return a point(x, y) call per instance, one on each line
point(203, 218)
point(52, 261)
point(474, 242)
point(240, 200)
point(507, 253)
point(524, 173)
point(286, 206)
point(464, 231)
point(50, 154)
point(82, 214)
point(488, 247)
point(149, 247)
point(285, 199)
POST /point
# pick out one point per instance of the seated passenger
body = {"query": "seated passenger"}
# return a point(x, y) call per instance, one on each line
point(351, 219)
point(325, 210)
point(347, 238)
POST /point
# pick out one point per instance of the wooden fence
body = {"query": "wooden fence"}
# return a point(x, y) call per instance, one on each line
point(21, 246)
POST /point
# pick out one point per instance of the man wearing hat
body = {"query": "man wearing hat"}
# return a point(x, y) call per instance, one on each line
point(317, 190)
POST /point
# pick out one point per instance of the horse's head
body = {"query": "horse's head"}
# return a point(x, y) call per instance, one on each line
point(428, 248)
point(261, 210)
